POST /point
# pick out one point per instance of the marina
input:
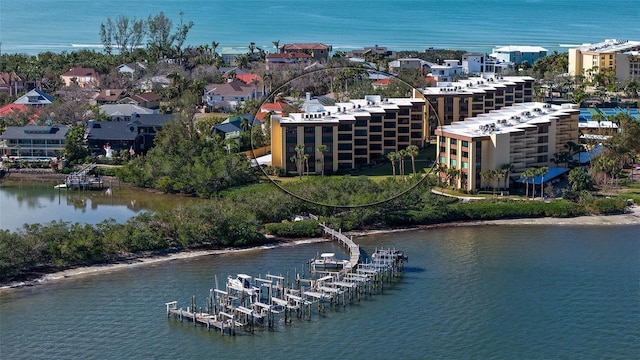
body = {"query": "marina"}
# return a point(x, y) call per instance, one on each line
point(248, 303)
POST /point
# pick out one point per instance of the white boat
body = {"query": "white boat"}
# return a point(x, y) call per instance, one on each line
point(389, 255)
point(242, 283)
point(60, 186)
point(328, 261)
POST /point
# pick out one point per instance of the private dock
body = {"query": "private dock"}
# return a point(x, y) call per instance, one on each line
point(81, 180)
point(246, 302)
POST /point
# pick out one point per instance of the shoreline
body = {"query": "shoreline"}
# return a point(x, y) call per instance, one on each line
point(632, 217)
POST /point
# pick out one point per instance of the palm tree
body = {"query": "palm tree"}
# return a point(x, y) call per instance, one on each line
point(412, 151)
point(401, 155)
point(306, 163)
point(299, 158)
point(322, 149)
point(542, 171)
point(214, 46)
point(393, 156)
point(276, 44)
point(526, 175)
point(506, 170)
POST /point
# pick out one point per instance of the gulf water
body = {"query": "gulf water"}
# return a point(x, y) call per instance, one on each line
point(482, 292)
point(65, 25)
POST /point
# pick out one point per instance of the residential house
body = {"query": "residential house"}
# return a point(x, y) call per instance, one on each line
point(319, 52)
point(154, 82)
point(519, 54)
point(35, 98)
point(449, 71)
point(11, 83)
point(355, 133)
point(287, 58)
point(135, 134)
point(33, 141)
point(149, 100)
point(373, 51)
point(108, 96)
point(124, 112)
point(232, 127)
point(473, 63)
point(229, 95)
point(591, 59)
point(524, 135)
point(82, 76)
point(134, 69)
point(407, 63)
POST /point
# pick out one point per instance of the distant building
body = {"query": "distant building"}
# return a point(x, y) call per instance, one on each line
point(319, 52)
point(589, 59)
point(123, 112)
point(287, 58)
point(108, 96)
point(519, 54)
point(372, 50)
point(473, 63)
point(33, 141)
point(523, 135)
point(407, 63)
point(449, 71)
point(149, 100)
point(628, 66)
point(229, 95)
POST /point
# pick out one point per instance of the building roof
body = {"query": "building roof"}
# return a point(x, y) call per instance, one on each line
point(609, 45)
point(277, 106)
point(35, 97)
point(80, 71)
point(53, 132)
point(304, 46)
point(248, 78)
point(123, 110)
point(232, 88)
point(520, 48)
point(476, 85)
point(121, 130)
point(9, 78)
point(111, 95)
point(509, 119)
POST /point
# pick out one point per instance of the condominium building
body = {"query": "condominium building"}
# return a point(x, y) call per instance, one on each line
point(355, 132)
point(456, 101)
point(523, 135)
point(628, 66)
point(585, 59)
point(519, 54)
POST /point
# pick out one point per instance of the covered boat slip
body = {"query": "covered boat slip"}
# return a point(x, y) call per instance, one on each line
point(246, 302)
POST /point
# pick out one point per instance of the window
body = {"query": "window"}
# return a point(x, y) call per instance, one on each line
point(454, 162)
point(454, 141)
point(465, 165)
point(465, 143)
point(465, 154)
point(454, 152)
point(442, 159)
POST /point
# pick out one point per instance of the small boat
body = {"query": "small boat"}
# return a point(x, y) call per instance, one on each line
point(389, 255)
point(60, 186)
point(328, 261)
point(242, 283)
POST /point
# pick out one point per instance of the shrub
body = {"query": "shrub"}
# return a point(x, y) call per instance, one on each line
point(294, 229)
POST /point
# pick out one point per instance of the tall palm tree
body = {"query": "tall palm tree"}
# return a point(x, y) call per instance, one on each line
point(306, 163)
point(526, 175)
point(214, 46)
point(322, 149)
point(412, 151)
point(401, 155)
point(393, 156)
point(276, 44)
point(542, 171)
point(506, 170)
point(299, 158)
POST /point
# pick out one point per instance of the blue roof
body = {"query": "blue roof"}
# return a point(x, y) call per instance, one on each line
point(553, 173)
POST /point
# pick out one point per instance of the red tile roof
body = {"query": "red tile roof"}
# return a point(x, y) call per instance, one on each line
point(14, 109)
point(382, 82)
point(248, 78)
point(275, 106)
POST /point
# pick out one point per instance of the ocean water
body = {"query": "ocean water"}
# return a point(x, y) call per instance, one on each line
point(482, 292)
point(65, 25)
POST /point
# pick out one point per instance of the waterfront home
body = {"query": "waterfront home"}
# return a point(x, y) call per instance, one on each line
point(135, 135)
point(590, 59)
point(136, 68)
point(234, 126)
point(80, 75)
point(33, 141)
point(319, 52)
point(397, 66)
point(372, 51)
point(19, 114)
point(287, 58)
point(519, 54)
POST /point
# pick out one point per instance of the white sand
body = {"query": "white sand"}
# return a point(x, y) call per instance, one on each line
point(630, 218)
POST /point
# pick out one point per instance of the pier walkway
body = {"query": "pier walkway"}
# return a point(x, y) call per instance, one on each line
point(245, 302)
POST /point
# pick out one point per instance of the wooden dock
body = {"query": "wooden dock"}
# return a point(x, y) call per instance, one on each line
point(246, 302)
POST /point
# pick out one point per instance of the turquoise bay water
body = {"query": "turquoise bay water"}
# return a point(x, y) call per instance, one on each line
point(484, 292)
point(48, 25)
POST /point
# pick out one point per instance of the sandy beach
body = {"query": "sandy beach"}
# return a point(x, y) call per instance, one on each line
point(632, 217)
